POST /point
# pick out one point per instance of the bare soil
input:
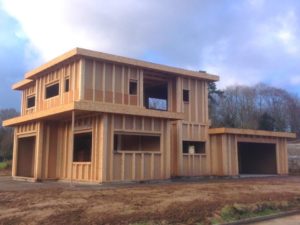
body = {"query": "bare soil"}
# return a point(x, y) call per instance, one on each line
point(162, 203)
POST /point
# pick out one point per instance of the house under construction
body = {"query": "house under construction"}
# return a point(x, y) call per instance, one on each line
point(95, 117)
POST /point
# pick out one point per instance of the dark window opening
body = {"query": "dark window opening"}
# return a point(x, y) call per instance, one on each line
point(82, 147)
point(30, 101)
point(193, 147)
point(186, 95)
point(156, 94)
point(127, 142)
point(52, 90)
point(133, 87)
point(67, 85)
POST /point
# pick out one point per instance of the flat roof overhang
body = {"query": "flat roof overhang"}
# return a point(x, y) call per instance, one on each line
point(236, 131)
point(90, 106)
point(80, 53)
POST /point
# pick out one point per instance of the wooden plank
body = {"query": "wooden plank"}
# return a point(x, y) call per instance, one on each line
point(251, 132)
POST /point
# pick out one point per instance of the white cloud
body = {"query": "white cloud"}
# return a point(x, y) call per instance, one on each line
point(245, 42)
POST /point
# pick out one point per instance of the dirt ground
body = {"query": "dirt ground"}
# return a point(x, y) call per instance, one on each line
point(188, 202)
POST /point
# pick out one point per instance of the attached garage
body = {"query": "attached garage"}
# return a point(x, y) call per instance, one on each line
point(256, 158)
point(236, 152)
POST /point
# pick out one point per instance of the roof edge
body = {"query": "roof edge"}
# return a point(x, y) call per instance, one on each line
point(19, 85)
point(51, 63)
point(224, 130)
point(120, 59)
point(146, 64)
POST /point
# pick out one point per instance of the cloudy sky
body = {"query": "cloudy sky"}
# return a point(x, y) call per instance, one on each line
point(245, 42)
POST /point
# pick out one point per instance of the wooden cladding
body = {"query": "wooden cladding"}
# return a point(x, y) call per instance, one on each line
point(67, 81)
point(224, 152)
point(137, 165)
point(111, 83)
point(193, 99)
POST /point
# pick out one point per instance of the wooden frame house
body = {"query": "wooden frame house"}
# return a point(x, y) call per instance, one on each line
point(96, 117)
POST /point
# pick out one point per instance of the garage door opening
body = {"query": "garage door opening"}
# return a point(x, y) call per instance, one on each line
point(26, 153)
point(257, 158)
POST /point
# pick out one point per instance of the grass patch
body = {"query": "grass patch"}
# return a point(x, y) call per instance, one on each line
point(235, 212)
point(5, 165)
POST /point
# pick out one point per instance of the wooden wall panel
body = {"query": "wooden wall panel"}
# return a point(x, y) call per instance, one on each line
point(136, 165)
point(57, 74)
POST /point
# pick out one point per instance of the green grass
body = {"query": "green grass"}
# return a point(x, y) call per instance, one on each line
point(4, 165)
point(237, 212)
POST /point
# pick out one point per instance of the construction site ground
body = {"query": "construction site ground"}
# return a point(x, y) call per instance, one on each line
point(172, 202)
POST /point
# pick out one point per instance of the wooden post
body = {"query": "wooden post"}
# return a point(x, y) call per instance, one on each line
point(39, 151)
point(72, 146)
point(15, 153)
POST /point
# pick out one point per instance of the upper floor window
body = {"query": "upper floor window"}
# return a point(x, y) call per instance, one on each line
point(52, 90)
point(67, 84)
point(133, 87)
point(30, 101)
point(186, 96)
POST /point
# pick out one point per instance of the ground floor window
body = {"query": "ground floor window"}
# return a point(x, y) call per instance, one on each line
point(82, 147)
point(193, 147)
point(133, 142)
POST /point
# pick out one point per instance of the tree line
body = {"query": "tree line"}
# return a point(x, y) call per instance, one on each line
point(254, 107)
point(6, 134)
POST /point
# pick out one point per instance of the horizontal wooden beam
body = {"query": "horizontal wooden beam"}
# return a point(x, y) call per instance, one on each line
point(125, 109)
point(224, 130)
point(21, 84)
point(90, 106)
point(39, 115)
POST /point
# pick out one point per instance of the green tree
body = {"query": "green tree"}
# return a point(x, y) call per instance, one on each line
point(266, 122)
point(6, 134)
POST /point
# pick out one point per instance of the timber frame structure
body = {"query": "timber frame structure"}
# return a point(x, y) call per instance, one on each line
point(95, 117)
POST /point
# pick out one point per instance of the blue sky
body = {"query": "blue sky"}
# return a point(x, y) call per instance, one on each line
point(244, 42)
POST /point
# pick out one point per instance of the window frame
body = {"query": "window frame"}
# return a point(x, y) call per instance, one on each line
point(193, 143)
point(27, 98)
point(67, 78)
point(116, 149)
point(49, 85)
point(132, 81)
point(88, 131)
point(186, 93)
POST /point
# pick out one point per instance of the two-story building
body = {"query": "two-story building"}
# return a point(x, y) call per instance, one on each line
point(91, 116)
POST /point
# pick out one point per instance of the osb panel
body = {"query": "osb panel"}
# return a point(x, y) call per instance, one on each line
point(138, 166)
point(157, 167)
point(128, 167)
point(117, 166)
point(26, 128)
point(147, 166)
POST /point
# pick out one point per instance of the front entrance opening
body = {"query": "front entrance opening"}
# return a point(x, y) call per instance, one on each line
point(25, 159)
point(257, 158)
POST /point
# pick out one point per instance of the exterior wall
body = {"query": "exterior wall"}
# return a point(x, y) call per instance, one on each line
point(27, 92)
point(136, 165)
point(56, 75)
point(66, 169)
point(54, 149)
point(194, 127)
point(224, 153)
point(108, 82)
